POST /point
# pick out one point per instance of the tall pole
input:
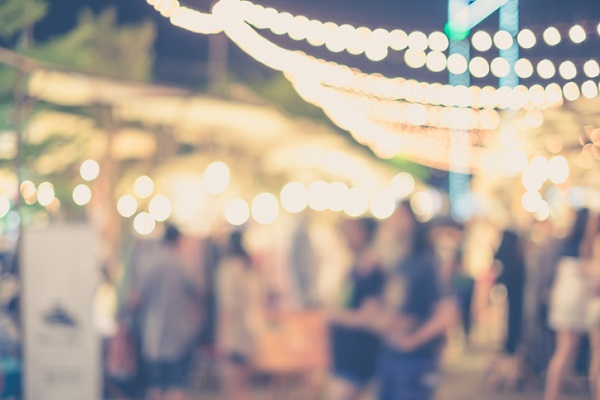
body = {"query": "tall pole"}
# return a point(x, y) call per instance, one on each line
point(458, 178)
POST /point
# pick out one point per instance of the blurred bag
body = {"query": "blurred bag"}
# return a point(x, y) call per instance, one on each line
point(121, 358)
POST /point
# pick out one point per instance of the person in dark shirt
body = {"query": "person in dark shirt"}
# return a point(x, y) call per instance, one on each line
point(512, 276)
point(354, 349)
point(417, 311)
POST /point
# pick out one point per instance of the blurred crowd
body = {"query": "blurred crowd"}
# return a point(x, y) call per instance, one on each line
point(343, 310)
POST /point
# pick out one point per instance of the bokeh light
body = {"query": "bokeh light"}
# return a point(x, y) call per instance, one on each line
point(318, 195)
point(338, 191)
point(127, 205)
point(216, 178)
point(577, 34)
point(415, 58)
point(524, 68)
point(558, 169)
point(503, 40)
point(500, 67)
point(398, 40)
point(27, 189)
point(438, 41)
point(526, 39)
point(382, 204)
point(82, 195)
point(4, 206)
point(531, 201)
point(160, 207)
point(457, 64)
point(357, 203)
point(143, 187)
point(417, 41)
point(45, 194)
point(144, 224)
point(402, 185)
point(237, 212)
point(89, 170)
point(265, 208)
point(591, 69)
point(479, 67)
point(436, 61)
point(552, 36)
point(482, 41)
point(294, 197)
point(546, 69)
point(423, 205)
point(567, 70)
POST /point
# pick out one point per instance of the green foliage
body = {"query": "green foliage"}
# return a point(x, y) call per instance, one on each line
point(16, 15)
point(100, 45)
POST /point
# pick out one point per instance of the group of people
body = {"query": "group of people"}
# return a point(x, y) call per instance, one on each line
point(389, 324)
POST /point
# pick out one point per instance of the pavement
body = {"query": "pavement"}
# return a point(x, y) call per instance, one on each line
point(464, 377)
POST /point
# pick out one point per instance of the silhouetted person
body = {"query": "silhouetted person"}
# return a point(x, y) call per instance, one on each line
point(168, 301)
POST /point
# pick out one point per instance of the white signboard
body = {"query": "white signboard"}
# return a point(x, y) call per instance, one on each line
point(62, 353)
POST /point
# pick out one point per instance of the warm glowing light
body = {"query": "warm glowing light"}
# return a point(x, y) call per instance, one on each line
point(524, 68)
point(237, 212)
point(526, 39)
point(143, 187)
point(216, 178)
point(500, 67)
point(82, 195)
point(571, 91)
point(559, 170)
point(27, 189)
point(45, 194)
point(382, 204)
point(532, 201)
point(591, 69)
point(376, 52)
point(299, 28)
point(503, 40)
point(552, 36)
point(589, 89)
point(567, 70)
point(457, 64)
point(316, 33)
point(543, 211)
point(4, 206)
point(479, 67)
point(127, 206)
point(415, 58)
point(398, 40)
point(318, 195)
point(357, 203)
point(423, 205)
point(402, 185)
point(265, 208)
point(482, 41)
point(160, 207)
point(534, 118)
point(294, 197)
point(89, 170)
point(338, 192)
point(577, 34)
point(144, 224)
point(546, 69)
point(417, 41)
point(438, 41)
point(436, 61)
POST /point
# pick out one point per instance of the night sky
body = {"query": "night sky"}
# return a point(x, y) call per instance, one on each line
point(176, 48)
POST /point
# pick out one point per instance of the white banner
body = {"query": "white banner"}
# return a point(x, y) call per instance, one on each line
point(62, 351)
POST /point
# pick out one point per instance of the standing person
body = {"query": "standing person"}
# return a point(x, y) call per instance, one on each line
point(168, 301)
point(355, 350)
point(238, 317)
point(568, 303)
point(418, 311)
point(512, 276)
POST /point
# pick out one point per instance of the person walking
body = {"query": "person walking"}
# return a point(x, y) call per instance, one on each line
point(568, 303)
point(168, 301)
point(354, 349)
point(238, 317)
point(417, 312)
